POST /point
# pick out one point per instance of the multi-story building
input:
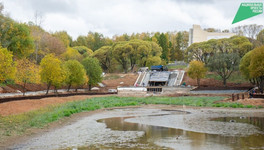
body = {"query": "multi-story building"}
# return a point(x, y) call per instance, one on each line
point(197, 34)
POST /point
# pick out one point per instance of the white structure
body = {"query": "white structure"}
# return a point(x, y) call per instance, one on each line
point(197, 34)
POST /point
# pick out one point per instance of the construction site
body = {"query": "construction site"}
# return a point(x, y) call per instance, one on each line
point(157, 80)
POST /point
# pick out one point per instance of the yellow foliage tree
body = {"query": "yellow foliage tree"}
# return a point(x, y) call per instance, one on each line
point(197, 70)
point(51, 71)
point(71, 54)
point(76, 74)
point(7, 66)
point(27, 72)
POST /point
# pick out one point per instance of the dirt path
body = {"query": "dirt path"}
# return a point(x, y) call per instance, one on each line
point(18, 107)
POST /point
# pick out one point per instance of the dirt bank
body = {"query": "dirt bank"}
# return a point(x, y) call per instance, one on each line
point(17, 107)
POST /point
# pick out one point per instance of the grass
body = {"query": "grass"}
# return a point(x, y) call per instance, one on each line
point(18, 124)
point(177, 66)
point(111, 77)
point(236, 77)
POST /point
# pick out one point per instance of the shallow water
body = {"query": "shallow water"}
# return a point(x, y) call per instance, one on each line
point(156, 129)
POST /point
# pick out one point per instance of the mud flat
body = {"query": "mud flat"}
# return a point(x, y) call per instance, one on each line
point(155, 127)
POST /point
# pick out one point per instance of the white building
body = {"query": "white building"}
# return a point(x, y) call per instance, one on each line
point(197, 34)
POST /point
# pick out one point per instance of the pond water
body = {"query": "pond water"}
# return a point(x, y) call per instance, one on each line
point(157, 129)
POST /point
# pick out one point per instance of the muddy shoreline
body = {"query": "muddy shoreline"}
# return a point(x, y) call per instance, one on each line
point(34, 133)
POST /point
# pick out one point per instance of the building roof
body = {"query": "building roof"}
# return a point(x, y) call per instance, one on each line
point(159, 76)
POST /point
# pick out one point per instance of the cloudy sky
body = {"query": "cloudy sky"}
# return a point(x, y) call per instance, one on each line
point(112, 17)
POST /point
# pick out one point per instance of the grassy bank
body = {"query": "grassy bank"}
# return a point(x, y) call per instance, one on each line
point(17, 124)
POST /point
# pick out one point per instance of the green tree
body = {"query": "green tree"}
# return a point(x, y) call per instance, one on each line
point(27, 72)
point(104, 55)
point(83, 50)
point(224, 64)
point(164, 44)
point(260, 37)
point(75, 73)
point(51, 71)
point(197, 70)
point(93, 71)
point(7, 66)
point(121, 52)
point(16, 37)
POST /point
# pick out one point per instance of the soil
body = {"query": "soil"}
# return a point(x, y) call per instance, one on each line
point(22, 106)
point(127, 79)
point(212, 84)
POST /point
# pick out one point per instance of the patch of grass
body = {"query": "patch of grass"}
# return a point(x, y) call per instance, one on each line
point(177, 66)
point(111, 77)
point(236, 77)
point(18, 124)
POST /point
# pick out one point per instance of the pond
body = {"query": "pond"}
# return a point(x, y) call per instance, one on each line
point(157, 129)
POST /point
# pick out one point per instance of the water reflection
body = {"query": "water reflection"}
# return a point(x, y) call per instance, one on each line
point(181, 139)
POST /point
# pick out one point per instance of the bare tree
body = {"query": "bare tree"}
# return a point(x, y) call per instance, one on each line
point(1, 8)
point(250, 31)
point(38, 18)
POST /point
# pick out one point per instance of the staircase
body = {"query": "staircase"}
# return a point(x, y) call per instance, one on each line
point(180, 77)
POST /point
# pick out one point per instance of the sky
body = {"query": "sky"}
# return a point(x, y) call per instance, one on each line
point(115, 17)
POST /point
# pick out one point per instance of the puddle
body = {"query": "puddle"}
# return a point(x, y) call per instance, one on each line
point(141, 128)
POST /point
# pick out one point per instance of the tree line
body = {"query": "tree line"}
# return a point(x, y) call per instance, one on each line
point(29, 53)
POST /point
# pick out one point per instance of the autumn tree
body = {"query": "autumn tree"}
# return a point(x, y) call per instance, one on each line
point(16, 37)
point(252, 67)
point(224, 64)
point(197, 70)
point(51, 71)
point(71, 54)
point(7, 66)
point(27, 72)
point(64, 37)
point(75, 73)
point(93, 71)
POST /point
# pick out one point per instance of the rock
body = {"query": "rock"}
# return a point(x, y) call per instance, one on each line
point(121, 82)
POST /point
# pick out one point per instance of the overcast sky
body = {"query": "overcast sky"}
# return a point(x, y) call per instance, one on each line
point(112, 17)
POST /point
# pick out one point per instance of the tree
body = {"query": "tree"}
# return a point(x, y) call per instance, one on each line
point(164, 44)
point(7, 66)
point(224, 64)
point(75, 73)
point(250, 30)
point(71, 54)
point(121, 53)
point(83, 50)
point(64, 37)
point(51, 71)
point(16, 37)
point(197, 70)
point(27, 72)
point(251, 66)
point(104, 55)
point(93, 71)
point(260, 37)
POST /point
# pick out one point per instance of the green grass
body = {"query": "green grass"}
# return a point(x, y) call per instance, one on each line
point(236, 77)
point(177, 66)
point(18, 124)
